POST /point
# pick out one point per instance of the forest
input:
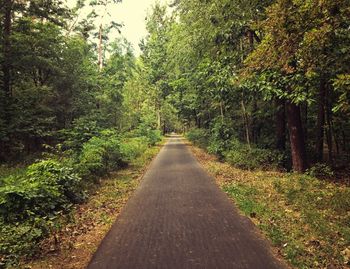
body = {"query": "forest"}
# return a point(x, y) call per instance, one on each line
point(260, 84)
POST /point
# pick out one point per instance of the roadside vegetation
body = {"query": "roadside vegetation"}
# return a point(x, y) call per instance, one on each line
point(75, 107)
point(72, 245)
point(37, 202)
point(306, 218)
point(263, 85)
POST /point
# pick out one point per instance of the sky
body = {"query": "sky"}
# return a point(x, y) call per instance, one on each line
point(132, 14)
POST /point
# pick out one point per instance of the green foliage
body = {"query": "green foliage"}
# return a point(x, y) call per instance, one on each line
point(32, 202)
point(320, 170)
point(152, 136)
point(46, 188)
point(131, 148)
point(241, 156)
point(222, 143)
point(20, 240)
point(342, 86)
point(199, 137)
point(100, 155)
point(221, 134)
point(82, 131)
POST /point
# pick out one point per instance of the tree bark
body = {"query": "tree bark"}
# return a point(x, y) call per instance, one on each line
point(320, 122)
point(254, 122)
point(6, 65)
point(6, 96)
point(246, 122)
point(296, 135)
point(100, 56)
point(158, 119)
point(280, 124)
point(222, 111)
point(329, 127)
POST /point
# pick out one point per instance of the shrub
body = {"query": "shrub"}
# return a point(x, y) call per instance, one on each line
point(83, 130)
point(221, 133)
point(153, 137)
point(241, 156)
point(132, 148)
point(100, 155)
point(33, 201)
point(20, 240)
point(320, 170)
point(199, 137)
point(46, 188)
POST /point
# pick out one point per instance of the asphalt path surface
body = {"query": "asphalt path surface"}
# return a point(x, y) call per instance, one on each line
point(177, 219)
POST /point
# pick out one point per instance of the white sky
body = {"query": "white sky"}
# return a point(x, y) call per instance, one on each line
point(132, 14)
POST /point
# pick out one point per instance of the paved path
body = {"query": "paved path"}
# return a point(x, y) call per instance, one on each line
point(179, 219)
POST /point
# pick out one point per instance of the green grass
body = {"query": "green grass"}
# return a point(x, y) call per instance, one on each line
point(306, 218)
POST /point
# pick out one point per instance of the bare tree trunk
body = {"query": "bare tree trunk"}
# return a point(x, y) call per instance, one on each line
point(6, 66)
point(222, 111)
point(344, 146)
point(6, 99)
point(100, 53)
point(320, 122)
point(296, 137)
point(305, 122)
point(253, 122)
point(246, 122)
point(158, 119)
point(329, 131)
point(280, 124)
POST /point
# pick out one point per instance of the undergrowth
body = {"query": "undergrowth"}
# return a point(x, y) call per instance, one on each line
point(36, 201)
point(73, 245)
point(307, 219)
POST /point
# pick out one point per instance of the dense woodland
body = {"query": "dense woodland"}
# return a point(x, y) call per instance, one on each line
point(270, 74)
point(260, 84)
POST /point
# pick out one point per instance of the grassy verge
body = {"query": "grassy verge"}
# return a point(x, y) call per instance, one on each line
point(306, 219)
point(77, 240)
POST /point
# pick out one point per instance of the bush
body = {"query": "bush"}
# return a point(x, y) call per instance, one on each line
point(46, 188)
point(320, 170)
point(100, 155)
point(132, 148)
point(241, 156)
point(20, 240)
point(83, 130)
point(153, 137)
point(33, 201)
point(198, 137)
point(221, 133)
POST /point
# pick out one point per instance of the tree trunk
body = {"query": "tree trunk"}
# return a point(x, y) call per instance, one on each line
point(344, 140)
point(296, 135)
point(6, 100)
point(305, 122)
point(329, 131)
point(246, 122)
point(158, 119)
point(280, 124)
point(100, 59)
point(6, 66)
point(320, 122)
point(222, 111)
point(253, 122)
